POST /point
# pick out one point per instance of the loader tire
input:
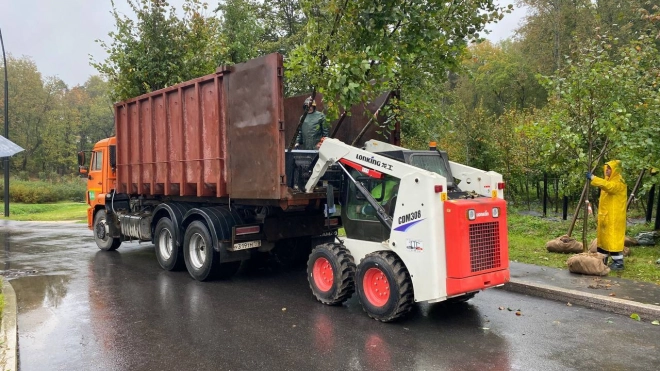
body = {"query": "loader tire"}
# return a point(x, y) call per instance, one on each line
point(102, 233)
point(384, 286)
point(331, 273)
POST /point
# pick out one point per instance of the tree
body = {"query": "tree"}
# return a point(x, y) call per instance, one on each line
point(157, 49)
point(241, 26)
point(353, 50)
point(30, 99)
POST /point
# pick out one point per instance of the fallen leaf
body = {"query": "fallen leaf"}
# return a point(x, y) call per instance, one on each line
point(509, 309)
point(569, 304)
point(486, 328)
point(612, 294)
point(656, 322)
point(518, 313)
point(283, 309)
point(610, 322)
point(501, 308)
point(636, 317)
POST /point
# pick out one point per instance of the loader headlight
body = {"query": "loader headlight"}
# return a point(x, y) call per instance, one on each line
point(496, 212)
point(471, 214)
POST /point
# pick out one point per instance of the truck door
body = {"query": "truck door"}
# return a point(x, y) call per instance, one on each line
point(95, 177)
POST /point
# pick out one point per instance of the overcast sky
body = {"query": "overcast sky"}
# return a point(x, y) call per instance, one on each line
point(59, 34)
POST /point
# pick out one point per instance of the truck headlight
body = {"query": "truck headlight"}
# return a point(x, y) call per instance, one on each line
point(496, 212)
point(471, 214)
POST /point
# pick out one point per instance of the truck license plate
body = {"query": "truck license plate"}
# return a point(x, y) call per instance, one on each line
point(247, 245)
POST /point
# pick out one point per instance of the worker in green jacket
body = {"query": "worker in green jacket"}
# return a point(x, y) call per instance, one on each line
point(611, 213)
point(313, 128)
point(386, 200)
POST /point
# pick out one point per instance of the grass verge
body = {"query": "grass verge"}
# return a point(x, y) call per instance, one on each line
point(2, 298)
point(528, 235)
point(47, 212)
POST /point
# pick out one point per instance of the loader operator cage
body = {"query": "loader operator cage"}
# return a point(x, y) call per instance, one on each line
point(433, 161)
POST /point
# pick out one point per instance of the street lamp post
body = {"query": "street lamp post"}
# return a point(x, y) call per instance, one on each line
point(6, 159)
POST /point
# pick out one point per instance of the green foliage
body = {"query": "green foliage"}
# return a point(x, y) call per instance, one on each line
point(355, 50)
point(37, 192)
point(2, 298)
point(241, 26)
point(157, 49)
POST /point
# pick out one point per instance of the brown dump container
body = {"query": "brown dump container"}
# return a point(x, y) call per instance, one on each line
point(221, 135)
point(176, 141)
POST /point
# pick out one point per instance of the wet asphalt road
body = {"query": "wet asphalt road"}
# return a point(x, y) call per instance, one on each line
point(84, 309)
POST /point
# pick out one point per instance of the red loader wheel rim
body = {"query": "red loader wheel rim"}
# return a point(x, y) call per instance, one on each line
point(376, 287)
point(324, 277)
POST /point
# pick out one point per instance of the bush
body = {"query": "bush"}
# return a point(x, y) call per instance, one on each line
point(36, 192)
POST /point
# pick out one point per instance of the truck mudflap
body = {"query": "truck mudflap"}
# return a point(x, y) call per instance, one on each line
point(476, 241)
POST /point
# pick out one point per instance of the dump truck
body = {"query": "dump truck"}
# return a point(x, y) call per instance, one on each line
point(202, 171)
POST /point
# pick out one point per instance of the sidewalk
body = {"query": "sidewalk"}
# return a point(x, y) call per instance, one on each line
point(611, 294)
point(8, 335)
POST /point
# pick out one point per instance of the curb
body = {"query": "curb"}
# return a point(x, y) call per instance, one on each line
point(610, 304)
point(8, 329)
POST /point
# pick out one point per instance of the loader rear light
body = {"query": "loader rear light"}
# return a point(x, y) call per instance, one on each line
point(332, 222)
point(438, 189)
point(242, 231)
point(496, 212)
point(471, 214)
point(500, 185)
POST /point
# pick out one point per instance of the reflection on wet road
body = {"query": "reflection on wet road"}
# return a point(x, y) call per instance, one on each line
point(81, 308)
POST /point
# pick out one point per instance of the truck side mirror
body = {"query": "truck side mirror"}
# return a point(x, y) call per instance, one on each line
point(82, 168)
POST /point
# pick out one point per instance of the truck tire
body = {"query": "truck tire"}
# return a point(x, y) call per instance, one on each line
point(331, 274)
point(168, 252)
point(384, 286)
point(101, 233)
point(198, 252)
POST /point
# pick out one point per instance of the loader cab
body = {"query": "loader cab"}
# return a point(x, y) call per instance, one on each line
point(435, 161)
point(99, 166)
point(358, 217)
point(358, 220)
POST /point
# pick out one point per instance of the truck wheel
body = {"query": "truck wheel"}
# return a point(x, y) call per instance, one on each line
point(102, 233)
point(198, 251)
point(331, 274)
point(168, 252)
point(384, 286)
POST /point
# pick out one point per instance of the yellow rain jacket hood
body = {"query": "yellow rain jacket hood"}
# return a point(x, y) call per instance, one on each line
point(611, 208)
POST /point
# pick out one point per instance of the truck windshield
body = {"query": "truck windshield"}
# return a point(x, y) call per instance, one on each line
point(430, 162)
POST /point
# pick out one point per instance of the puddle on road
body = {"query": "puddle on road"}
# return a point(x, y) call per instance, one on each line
point(35, 292)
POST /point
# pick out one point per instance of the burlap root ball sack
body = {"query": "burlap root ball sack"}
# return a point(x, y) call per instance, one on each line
point(588, 263)
point(593, 247)
point(564, 244)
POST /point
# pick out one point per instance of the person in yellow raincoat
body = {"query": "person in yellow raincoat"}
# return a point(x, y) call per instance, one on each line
point(611, 213)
